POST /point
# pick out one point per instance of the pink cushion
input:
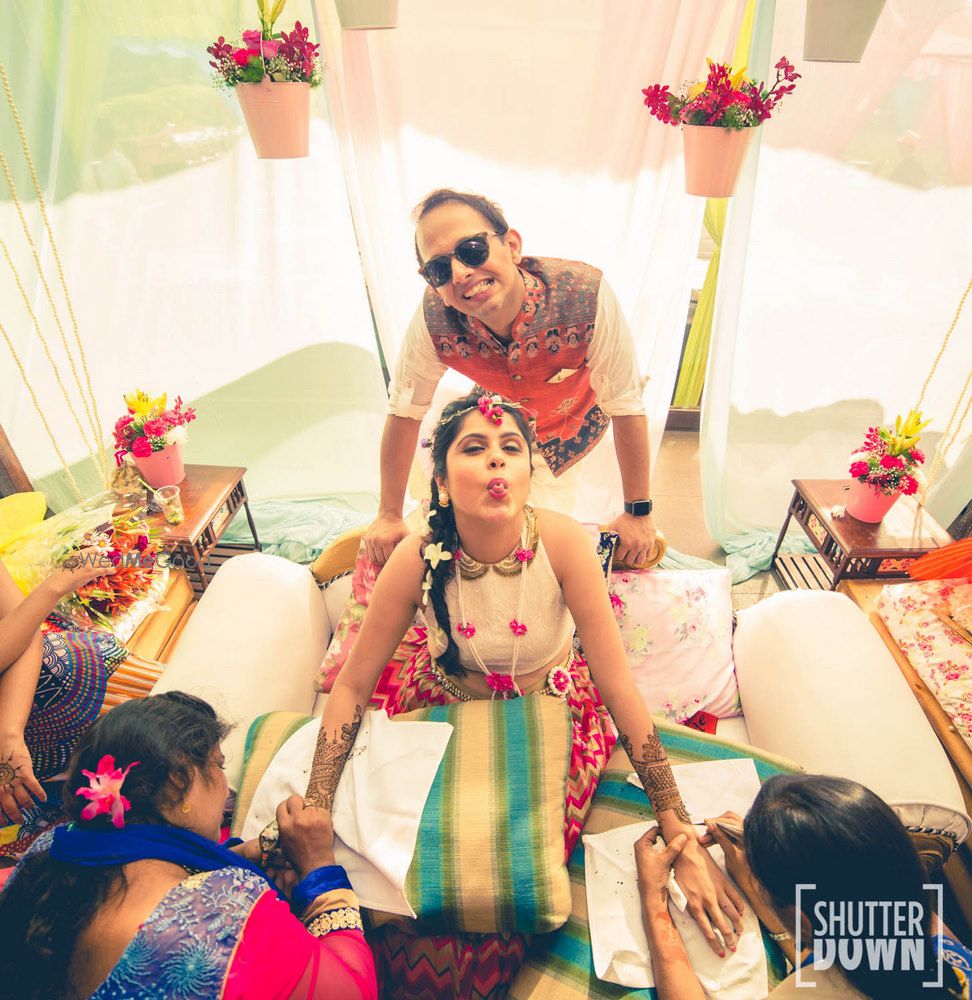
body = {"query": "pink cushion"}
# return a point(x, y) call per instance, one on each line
point(677, 630)
point(362, 584)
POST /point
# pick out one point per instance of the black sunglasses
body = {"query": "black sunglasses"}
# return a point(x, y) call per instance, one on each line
point(472, 251)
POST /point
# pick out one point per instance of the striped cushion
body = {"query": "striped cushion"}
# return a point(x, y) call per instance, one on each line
point(134, 678)
point(490, 849)
point(498, 797)
point(266, 735)
point(562, 966)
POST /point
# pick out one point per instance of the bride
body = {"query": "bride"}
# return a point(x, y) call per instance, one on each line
point(502, 588)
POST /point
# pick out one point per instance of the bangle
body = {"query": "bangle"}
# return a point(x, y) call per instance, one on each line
point(779, 936)
point(319, 881)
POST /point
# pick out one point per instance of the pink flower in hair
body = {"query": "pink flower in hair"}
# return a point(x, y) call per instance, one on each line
point(104, 791)
point(492, 407)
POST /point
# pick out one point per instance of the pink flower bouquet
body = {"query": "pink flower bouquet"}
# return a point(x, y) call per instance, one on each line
point(889, 458)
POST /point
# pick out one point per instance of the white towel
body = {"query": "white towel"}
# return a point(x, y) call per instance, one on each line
point(618, 940)
point(378, 804)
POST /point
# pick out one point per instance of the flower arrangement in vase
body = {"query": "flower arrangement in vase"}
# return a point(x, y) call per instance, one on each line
point(272, 74)
point(153, 435)
point(886, 466)
point(717, 116)
point(129, 547)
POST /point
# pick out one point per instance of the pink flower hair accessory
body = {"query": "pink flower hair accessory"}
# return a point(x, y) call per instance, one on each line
point(104, 791)
point(492, 407)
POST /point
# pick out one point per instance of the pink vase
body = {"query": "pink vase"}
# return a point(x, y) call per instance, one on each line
point(278, 117)
point(868, 503)
point(162, 468)
point(713, 158)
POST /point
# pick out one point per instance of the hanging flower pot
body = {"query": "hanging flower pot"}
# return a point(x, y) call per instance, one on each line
point(718, 116)
point(272, 74)
point(839, 30)
point(162, 468)
point(278, 117)
point(867, 503)
point(713, 158)
point(361, 15)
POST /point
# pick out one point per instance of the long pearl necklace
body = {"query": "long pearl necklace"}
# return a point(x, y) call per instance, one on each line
point(502, 684)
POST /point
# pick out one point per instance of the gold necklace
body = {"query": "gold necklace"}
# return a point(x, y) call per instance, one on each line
point(512, 564)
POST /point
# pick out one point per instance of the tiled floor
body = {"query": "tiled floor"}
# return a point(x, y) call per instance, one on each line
point(676, 490)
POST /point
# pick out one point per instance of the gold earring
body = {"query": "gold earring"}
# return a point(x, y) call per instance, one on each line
point(185, 808)
point(443, 497)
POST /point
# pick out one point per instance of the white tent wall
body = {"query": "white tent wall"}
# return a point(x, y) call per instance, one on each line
point(197, 269)
point(193, 267)
point(538, 106)
point(844, 261)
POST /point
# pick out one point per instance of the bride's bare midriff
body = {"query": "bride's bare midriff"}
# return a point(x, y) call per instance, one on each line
point(475, 681)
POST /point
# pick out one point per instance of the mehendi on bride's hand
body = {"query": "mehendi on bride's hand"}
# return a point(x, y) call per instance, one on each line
point(652, 766)
point(329, 759)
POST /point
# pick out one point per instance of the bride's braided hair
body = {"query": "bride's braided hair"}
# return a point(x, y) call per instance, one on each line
point(442, 521)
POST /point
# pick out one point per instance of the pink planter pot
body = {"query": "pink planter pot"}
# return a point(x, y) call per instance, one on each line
point(162, 468)
point(868, 503)
point(713, 158)
point(278, 117)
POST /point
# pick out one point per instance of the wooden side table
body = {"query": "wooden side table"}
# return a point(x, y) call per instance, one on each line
point(211, 496)
point(848, 549)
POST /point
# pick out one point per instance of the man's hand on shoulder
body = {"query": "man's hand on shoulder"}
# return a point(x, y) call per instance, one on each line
point(637, 538)
point(383, 534)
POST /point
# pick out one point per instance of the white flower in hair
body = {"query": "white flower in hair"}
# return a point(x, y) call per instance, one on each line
point(434, 554)
point(426, 526)
point(426, 587)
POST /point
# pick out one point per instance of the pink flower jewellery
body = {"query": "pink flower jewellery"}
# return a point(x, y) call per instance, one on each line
point(104, 791)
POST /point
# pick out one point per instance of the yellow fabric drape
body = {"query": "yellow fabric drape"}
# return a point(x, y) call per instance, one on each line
point(691, 375)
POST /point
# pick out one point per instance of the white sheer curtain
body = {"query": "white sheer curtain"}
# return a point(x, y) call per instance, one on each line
point(194, 267)
point(538, 106)
point(844, 259)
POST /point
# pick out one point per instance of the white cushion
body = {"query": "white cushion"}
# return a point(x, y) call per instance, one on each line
point(734, 729)
point(819, 686)
point(251, 646)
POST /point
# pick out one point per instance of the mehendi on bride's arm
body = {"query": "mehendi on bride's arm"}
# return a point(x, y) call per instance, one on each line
point(390, 612)
point(715, 905)
point(333, 749)
point(651, 765)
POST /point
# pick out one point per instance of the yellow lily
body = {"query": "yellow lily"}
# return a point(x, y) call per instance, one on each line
point(142, 405)
point(907, 432)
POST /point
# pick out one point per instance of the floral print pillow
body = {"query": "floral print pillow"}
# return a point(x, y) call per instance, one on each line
point(362, 584)
point(940, 656)
point(677, 629)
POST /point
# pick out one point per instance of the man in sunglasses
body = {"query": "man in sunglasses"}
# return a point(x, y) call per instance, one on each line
point(542, 332)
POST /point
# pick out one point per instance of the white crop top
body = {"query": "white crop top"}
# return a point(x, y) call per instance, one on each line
point(491, 602)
